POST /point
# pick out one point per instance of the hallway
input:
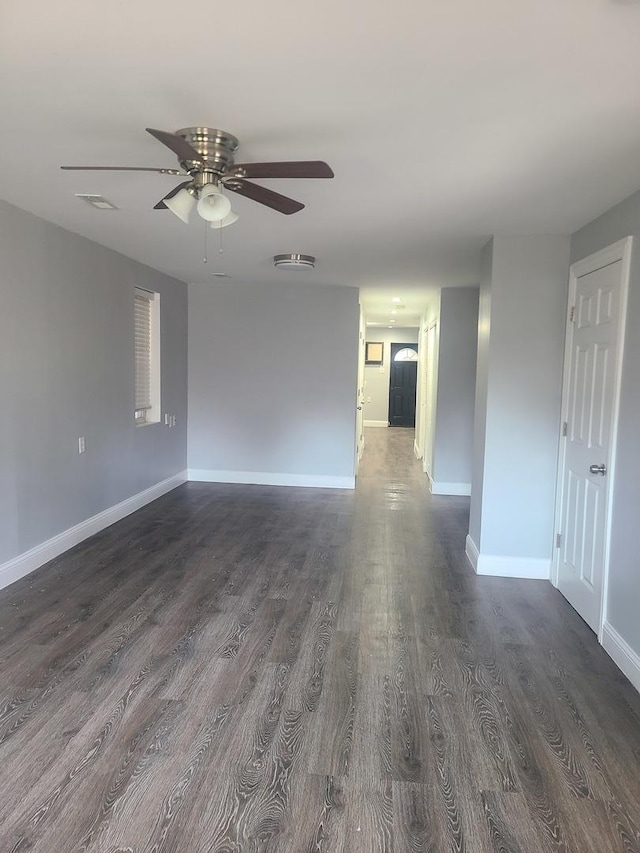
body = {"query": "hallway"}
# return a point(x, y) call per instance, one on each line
point(254, 668)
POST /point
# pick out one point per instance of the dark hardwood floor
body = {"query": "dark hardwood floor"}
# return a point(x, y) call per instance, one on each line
point(247, 668)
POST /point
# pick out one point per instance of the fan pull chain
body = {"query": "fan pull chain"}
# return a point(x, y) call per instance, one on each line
point(205, 242)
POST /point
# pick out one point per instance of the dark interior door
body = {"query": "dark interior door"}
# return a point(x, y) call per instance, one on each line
point(402, 388)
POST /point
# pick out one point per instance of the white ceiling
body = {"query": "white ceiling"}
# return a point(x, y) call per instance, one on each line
point(444, 123)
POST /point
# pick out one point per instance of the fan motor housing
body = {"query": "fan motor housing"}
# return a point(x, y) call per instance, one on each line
point(216, 147)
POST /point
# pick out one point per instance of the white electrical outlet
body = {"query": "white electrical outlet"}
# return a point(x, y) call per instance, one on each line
point(81, 444)
point(173, 420)
point(167, 419)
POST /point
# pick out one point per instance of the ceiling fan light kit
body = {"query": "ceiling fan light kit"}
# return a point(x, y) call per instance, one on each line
point(294, 261)
point(182, 204)
point(206, 158)
point(229, 219)
point(213, 206)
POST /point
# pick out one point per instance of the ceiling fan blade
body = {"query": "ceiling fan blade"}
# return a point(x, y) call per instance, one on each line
point(176, 143)
point(122, 169)
point(262, 195)
point(161, 204)
point(290, 169)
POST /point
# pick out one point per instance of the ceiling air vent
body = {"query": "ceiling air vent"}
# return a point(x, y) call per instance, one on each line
point(97, 201)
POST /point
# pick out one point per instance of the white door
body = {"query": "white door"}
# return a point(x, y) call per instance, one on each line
point(597, 294)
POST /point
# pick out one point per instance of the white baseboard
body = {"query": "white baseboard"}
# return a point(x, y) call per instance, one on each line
point(514, 567)
point(506, 567)
point(262, 478)
point(471, 550)
point(376, 423)
point(622, 654)
point(25, 563)
point(449, 488)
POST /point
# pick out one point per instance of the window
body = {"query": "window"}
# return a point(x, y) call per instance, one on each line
point(406, 354)
point(147, 356)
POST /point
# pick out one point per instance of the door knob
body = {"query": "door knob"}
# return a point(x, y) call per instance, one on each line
point(598, 469)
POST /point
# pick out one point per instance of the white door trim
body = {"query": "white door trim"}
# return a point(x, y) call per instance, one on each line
point(431, 378)
point(360, 421)
point(620, 251)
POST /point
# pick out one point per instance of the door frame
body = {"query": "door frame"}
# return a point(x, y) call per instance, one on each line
point(619, 251)
point(430, 400)
point(418, 439)
point(360, 382)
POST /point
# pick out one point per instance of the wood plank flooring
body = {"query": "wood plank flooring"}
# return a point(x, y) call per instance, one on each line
point(247, 668)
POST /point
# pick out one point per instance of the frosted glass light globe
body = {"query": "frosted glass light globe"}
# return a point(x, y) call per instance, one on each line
point(213, 206)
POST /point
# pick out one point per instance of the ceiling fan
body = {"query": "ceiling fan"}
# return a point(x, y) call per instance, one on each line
point(206, 158)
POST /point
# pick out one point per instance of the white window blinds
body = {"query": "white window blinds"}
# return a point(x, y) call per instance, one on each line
point(142, 347)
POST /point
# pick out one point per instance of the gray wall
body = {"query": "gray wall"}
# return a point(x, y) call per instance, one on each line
point(376, 377)
point(624, 569)
point(458, 337)
point(529, 277)
point(272, 379)
point(66, 370)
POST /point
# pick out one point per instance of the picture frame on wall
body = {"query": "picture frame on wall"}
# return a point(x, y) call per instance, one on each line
point(374, 352)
